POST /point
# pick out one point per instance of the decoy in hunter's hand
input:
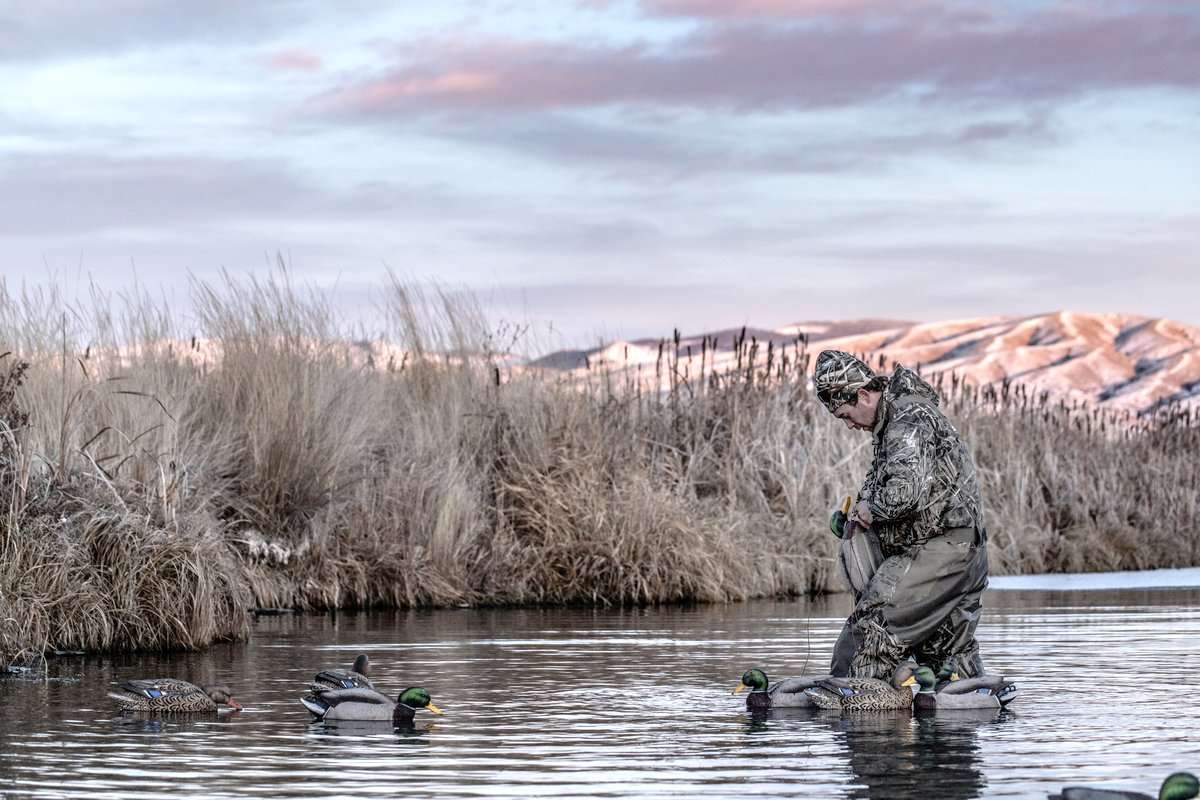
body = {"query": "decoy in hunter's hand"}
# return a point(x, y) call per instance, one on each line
point(172, 695)
point(1177, 786)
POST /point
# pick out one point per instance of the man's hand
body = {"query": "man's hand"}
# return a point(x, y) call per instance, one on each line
point(862, 513)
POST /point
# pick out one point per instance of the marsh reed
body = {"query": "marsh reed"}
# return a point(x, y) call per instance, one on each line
point(160, 481)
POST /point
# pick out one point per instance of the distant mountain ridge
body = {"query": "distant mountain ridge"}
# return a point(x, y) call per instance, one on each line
point(1114, 361)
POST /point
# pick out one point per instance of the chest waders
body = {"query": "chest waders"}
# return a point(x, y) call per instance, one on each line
point(924, 602)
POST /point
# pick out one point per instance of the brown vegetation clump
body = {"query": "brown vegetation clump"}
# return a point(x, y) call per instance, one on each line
point(156, 490)
point(1072, 489)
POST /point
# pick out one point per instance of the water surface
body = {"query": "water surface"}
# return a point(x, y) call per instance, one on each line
point(583, 703)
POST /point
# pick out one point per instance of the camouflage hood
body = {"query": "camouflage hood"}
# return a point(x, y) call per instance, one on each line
point(903, 381)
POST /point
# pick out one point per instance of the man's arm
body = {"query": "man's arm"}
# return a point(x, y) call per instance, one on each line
point(862, 505)
point(903, 479)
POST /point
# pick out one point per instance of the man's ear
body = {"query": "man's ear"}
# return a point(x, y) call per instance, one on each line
point(864, 397)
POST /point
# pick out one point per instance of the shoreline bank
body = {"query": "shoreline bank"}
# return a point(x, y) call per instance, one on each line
point(1178, 578)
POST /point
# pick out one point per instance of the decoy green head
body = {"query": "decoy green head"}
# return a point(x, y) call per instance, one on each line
point(415, 697)
point(753, 679)
point(926, 677)
point(1179, 786)
point(947, 673)
point(361, 664)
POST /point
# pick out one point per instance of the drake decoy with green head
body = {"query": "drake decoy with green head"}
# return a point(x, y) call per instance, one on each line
point(866, 694)
point(788, 693)
point(1177, 786)
point(172, 695)
point(354, 678)
point(985, 691)
point(367, 705)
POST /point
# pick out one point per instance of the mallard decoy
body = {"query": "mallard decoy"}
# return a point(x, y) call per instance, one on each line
point(367, 705)
point(787, 693)
point(985, 691)
point(866, 694)
point(172, 695)
point(1177, 786)
point(355, 678)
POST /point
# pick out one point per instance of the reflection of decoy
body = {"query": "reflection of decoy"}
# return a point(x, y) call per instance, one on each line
point(140, 723)
point(354, 678)
point(986, 691)
point(881, 752)
point(787, 693)
point(367, 705)
point(171, 695)
point(866, 694)
point(1177, 786)
point(891, 754)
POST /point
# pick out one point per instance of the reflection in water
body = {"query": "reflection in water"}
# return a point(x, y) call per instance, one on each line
point(358, 729)
point(894, 754)
point(625, 703)
point(890, 753)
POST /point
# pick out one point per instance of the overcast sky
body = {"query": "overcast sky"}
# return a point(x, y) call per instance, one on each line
point(616, 167)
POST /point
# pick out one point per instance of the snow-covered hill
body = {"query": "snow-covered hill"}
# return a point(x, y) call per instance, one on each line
point(1115, 361)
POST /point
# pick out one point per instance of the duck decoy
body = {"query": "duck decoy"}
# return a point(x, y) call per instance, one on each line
point(788, 693)
point(985, 691)
point(172, 695)
point(866, 694)
point(1177, 786)
point(354, 678)
point(367, 705)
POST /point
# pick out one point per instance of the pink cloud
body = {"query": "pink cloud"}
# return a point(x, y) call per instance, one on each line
point(737, 9)
point(396, 89)
point(757, 67)
point(294, 60)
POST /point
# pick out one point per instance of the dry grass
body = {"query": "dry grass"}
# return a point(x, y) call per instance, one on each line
point(154, 494)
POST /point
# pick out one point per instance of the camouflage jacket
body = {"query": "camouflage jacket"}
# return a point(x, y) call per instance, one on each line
point(922, 480)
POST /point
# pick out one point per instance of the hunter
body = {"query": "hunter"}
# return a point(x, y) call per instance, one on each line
point(921, 498)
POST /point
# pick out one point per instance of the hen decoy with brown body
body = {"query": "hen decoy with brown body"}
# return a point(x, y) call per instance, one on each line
point(866, 694)
point(171, 695)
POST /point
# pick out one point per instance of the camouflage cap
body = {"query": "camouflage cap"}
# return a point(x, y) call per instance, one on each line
point(838, 376)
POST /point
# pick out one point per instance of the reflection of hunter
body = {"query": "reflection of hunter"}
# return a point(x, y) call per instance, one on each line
point(921, 498)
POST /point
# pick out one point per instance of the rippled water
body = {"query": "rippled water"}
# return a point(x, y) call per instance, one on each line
point(574, 703)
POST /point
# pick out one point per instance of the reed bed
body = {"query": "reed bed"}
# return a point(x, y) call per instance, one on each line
point(163, 476)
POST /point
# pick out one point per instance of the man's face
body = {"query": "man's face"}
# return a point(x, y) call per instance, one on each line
point(859, 416)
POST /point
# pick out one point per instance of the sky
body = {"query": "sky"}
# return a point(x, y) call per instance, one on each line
point(614, 168)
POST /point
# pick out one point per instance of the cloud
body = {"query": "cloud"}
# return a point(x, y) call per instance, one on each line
point(31, 29)
point(653, 151)
point(80, 193)
point(743, 9)
point(1052, 56)
point(294, 60)
point(590, 236)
